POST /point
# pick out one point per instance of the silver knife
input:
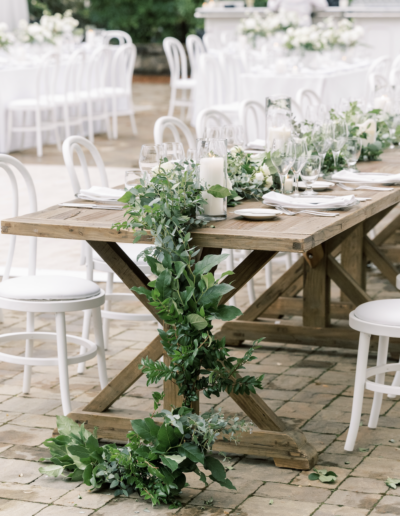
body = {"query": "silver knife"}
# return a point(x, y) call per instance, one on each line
point(91, 206)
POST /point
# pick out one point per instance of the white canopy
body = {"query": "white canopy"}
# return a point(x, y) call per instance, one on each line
point(11, 11)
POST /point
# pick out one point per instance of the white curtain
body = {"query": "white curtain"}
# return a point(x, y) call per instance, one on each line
point(11, 11)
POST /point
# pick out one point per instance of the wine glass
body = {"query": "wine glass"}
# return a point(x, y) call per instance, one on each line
point(228, 133)
point(338, 132)
point(321, 140)
point(211, 133)
point(240, 138)
point(191, 155)
point(132, 178)
point(310, 173)
point(283, 156)
point(149, 160)
point(301, 158)
point(352, 151)
point(393, 123)
point(172, 151)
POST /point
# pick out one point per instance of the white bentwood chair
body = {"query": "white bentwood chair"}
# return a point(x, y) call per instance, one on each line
point(195, 47)
point(42, 103)
point(379, 318)
point(177, 62)
point(121, 36)
point(77, 145)
point(210, 118)
point(48, 294)
point(175, 126)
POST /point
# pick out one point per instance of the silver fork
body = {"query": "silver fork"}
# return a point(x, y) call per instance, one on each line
point(309, 212)
point(366, 187)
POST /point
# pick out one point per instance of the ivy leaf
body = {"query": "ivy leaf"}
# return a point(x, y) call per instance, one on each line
point(163, 283)
point(142, 429)
point(217, 469)
point(227, 313)
point(392, 482)
point(79, 451)
point(215, 293)
point(87, 474)
point(172, 461)
point(126, 197)
point(208, 262)
point(197, 321)
point(166, 438)
point(67, 426)
point(52, 471)
point(219, 191)
point(313, 476)
point(192, 452)
point(179, 268)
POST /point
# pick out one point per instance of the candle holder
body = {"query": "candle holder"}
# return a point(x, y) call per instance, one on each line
point(212, 158)
point(278, 122)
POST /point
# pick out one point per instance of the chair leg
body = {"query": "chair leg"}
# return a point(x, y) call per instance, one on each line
point(39, 141)
point(288, 260)
point(101, 357)
point(1, 316)
point(90, 121)
point(379, 378)
point(85, 335)
point(172, 101)
point(183, 98)
point(359, 385)
point(251, 292)
point(9, 130)
point(395, 383)
point(114, 118)
point(107, 307)
point(63, 362)
point(56, 128)
point(30, 327)
point(268, 274)
point(132, 117)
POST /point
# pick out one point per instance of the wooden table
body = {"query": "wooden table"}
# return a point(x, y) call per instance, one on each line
point(318, 240)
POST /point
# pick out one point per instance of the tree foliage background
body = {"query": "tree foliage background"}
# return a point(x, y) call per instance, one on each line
point(146, 21)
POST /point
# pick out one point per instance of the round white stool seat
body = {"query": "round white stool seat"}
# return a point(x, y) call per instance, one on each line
point(48, 288)
point(382, 312)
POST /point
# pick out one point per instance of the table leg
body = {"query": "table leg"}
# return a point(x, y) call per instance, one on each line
point(353, 257)
point(316, 296)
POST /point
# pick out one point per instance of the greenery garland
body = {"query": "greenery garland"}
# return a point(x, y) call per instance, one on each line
point(186, 295)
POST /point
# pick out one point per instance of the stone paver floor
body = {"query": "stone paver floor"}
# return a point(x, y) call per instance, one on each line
point(310, 387)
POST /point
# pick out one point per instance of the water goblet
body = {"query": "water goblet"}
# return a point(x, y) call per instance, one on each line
point(310, 173)
point(132, 177)
point(352, 151)
point(321, 140)
point(301, 157)
point(173, 151)
point(283, 156)
point(338, 132)
point(228, 133)
point(149, 160)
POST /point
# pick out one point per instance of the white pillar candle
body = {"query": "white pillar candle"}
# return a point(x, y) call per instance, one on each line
point(288, 188)
point(281, 134)
point(383, 102)
point(368, 127)
point(212, 173)
point(89, 36)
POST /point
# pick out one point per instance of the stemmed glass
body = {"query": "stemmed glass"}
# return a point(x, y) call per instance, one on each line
point(321, 140)
point(283, 156)
point(352, 151)
point(338, 132)
point(228, 133)
point(393, 123)
point(310, 173)
point(301, 158)
point(132, 178)
point(149, 159)
point(172, 151)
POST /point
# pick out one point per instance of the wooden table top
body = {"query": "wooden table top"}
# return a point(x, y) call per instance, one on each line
point(285, 233)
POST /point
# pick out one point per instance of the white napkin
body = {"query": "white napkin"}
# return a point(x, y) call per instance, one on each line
point(275, 198)
point(256, 145)
point(360, 177)
point(101, 193)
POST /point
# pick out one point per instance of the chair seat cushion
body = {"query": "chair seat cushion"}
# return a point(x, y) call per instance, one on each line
point(48, 288)
point(382, 311)
point(132, 250)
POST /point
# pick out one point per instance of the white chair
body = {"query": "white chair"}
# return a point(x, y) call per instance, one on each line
point(212, 41)
point(305, 98)
point(48, 294)
point(120, 91)
point(194, 47)
point(379, 318)
point(378, 72)
point(252, 118)
point(121, 36)
point(77, 145)
point(394, 73)
point(174, 125)
point(42, 103)
point(210, 117)
point(177, 62)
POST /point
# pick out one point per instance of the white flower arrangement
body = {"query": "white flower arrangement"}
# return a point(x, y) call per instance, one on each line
point(48, 28)
point(6, 37)
point(324, 35)
point(255, 25)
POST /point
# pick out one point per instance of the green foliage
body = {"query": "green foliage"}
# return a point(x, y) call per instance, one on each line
point(147, 21)
point(154, 461)
point(79, 11)
point(324, 476)
point(392, 482)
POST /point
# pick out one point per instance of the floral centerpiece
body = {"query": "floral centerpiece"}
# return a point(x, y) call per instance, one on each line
point(256, 25)
point(164, 447)
point(48, 29)
point(6, 37)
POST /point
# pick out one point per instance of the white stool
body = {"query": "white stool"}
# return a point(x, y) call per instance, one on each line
point(381, 318)
point(54, 294)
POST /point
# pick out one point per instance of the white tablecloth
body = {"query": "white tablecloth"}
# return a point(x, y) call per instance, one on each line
point(11, 11)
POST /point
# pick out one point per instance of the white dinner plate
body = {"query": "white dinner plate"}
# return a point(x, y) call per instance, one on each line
point(258, 213)
point(318, 186)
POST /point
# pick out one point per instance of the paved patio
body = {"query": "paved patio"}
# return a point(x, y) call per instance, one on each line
point(309, 387)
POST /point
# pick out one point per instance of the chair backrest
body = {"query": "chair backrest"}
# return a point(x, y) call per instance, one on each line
point(377, 82)
point(174, 125)
point(210, 117)
point(211, 41)
point(122, 66)
point(8, 164)
point(176, 57)
point(306, 98)
point(380, 66)
point(194, 47)
point(121, 36)
point(98, 69)
point(296, 109)
point(228, 36)
point(252, 118)
point(47, 76)
point(394, 74)
point(75, 77)
point(231, 67)
point(77, 144)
